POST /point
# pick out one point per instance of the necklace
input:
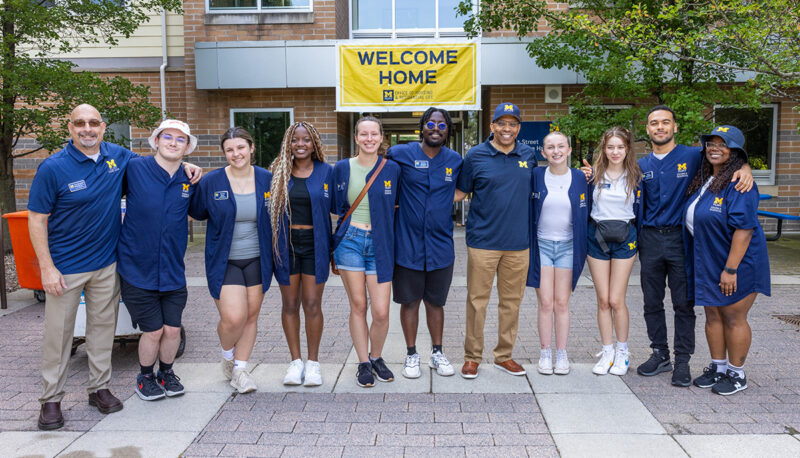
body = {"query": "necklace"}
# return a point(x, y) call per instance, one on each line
point(613, 179)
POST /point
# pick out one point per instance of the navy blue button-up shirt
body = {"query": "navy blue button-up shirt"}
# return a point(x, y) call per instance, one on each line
point(664, 184)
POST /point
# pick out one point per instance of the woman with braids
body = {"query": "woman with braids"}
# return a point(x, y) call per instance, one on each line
point(300, 204)
point(235, 201)
point(726, 257)
point(364, 243)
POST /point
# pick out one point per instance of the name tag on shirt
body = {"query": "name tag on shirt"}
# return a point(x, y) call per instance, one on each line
point(420, 164)
point(221, 195)
point(77, 186)
point(648, 175)
point(605, 186)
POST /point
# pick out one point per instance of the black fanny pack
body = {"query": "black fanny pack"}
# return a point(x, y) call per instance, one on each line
point(611, 231)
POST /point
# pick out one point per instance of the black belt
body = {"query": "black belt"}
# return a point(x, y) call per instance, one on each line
point(665, 229)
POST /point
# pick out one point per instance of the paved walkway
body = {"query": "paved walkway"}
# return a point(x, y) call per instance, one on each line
point(574, 415)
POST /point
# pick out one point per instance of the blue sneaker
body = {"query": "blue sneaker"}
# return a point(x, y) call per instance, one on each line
point(382, 372)
point(364, 375)
point(730, 384)
point(148, 388)
point(170, 383)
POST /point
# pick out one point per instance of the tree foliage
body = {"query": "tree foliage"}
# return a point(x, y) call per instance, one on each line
point(684, 53)
point(38, 90)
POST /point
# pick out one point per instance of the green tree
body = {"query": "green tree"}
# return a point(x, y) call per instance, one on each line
point(642, 53)
point(38, 90)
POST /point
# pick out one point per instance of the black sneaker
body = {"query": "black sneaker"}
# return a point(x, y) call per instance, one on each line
point(658, 363)
point(170, 383)
point(382, 372)
point(709, 378)
point(148, 388)
point(681, 375)
point(364, 375)
point(729, 384)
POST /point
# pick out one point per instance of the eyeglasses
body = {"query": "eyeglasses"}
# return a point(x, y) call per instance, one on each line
point(715, 145)
point(511, 124)
point(178, 140)
point(83, 122)
point(431, 125)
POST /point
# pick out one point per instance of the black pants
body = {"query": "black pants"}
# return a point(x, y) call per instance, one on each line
point(662, 261)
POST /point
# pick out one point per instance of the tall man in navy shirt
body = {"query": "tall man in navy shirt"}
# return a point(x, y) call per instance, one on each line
point(667, 172)
point(152, 244)
point(424, 252)
point(498, 174)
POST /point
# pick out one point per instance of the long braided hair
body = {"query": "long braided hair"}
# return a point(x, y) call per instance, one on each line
point(281, 169)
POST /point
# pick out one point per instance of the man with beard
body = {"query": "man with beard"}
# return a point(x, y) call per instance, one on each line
point(666, 173)
point(424, 253)
point(74, 220)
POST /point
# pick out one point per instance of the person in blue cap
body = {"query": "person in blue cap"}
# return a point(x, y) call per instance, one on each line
point(498, 174)
point(726, 257)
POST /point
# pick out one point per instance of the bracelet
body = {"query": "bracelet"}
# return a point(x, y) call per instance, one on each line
point(729, 270)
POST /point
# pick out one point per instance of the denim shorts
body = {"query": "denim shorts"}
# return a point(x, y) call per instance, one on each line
point(555, 254)
point(356, 252)
point(622, 250)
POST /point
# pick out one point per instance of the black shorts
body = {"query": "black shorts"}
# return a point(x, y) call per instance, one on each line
point(150, 310)
point(409, 285)
point(301, 252)
point(244, 272)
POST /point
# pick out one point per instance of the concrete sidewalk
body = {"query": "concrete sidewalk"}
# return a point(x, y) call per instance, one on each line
point(496, 414)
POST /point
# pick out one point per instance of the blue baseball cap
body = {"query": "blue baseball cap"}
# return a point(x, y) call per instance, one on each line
point(733, 138)
point(506, 109)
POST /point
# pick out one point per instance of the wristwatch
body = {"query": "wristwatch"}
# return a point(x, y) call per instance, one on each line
point(729, 270)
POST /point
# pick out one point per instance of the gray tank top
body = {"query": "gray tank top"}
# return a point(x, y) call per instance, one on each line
point(245, 231)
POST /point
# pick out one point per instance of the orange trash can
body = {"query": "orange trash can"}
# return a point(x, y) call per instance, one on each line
point(28, 273)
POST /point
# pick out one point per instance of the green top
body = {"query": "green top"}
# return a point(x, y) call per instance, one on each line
point(358, 179)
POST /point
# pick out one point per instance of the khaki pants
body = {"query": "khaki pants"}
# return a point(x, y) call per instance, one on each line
point(101, 292)
point(511, 268)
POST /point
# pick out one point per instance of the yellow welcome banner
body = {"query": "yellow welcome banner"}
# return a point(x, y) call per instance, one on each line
point(407, 77)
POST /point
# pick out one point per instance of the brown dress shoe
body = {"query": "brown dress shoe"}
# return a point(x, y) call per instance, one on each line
point(510, 366)
point(469, 369)
point(50, 416)
point(105, 401)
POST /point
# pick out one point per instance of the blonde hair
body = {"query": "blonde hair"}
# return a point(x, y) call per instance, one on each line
point(281, 169)
point(383, 146)
point(629, 164)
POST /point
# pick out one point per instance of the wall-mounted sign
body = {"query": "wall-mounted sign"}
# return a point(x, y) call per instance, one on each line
point(407, 77)
point(532, 133)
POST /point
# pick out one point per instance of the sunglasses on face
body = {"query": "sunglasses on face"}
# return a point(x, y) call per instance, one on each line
point(178, 140)
point(431, 125)
point(83, 122)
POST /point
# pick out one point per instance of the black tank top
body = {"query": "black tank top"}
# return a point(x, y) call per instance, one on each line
point(300, 202)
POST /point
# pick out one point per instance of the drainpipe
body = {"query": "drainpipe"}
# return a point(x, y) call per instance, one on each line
point(163, 67)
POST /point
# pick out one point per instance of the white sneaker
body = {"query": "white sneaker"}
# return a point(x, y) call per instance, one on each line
point(621, 362)
point(227, 368)
point(605, 362)
point(441, 364)
point(411, 367)
point(313, 375)
point(294, 374)
point(546, 362)
point(242, 381)
point(562, 363)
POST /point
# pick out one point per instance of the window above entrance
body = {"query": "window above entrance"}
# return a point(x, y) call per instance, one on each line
point(406, 19)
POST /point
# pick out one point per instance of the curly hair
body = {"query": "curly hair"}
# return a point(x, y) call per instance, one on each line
point(722, 179)
point(629, 164)
point(427, 116)
point(281, 169)
point(383, 147)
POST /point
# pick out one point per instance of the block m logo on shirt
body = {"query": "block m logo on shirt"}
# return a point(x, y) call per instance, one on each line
point(682, 166)
point(523, 164)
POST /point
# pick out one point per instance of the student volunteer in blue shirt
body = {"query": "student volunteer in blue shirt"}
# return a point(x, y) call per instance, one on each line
point(559, 214)
point(498, 174)
point(666, 173)
point(301, 198)
point(726, 257)
point(614, 209)
point(150, 253)
point(235, 201)
point(364, 245)
point(424, 252)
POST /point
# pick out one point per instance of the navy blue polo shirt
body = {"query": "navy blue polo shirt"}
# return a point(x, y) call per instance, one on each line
point(664, 184)
point(83, 199)
point(501, 187)
point(382, 200)
point(152, 241)
point(320, 191)
point(213, 200)
point(423, 237)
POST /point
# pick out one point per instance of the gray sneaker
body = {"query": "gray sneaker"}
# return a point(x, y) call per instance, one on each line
point(227, 368)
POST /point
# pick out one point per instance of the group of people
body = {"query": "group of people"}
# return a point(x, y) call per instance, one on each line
point(689, 212)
